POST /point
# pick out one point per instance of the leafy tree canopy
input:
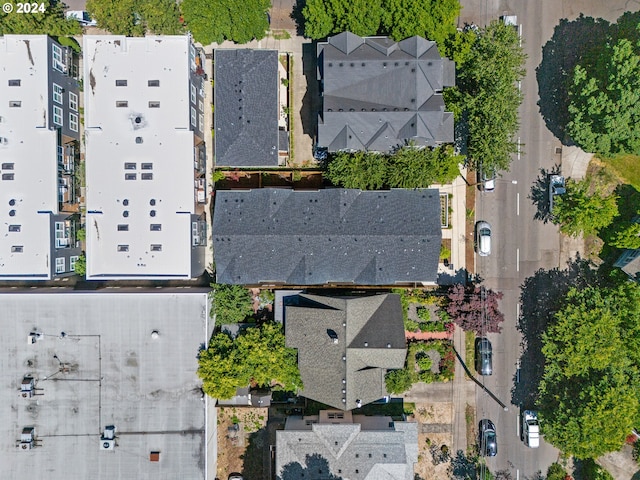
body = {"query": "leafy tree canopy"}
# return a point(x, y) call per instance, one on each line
point(213, 21)
point(230, 303)
point(475, 309)
point(583, 209)
point(398, 381)
point(136, 17)
point(588, 396)
point(624, 235)
point(81, 265)
point(52, 21)
point(408, 167)
point(327, 17)
point(432, 19)
point(604, 97)
point(258, 356)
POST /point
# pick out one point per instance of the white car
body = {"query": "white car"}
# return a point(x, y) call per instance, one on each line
point(483, 238)
point(530, 428)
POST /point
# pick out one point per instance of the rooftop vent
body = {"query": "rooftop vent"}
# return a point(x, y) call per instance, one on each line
point(358, 403)
point(27, 387)
point(137, 121)
point(27, 438)
point(155, 334)
point(12, 213)
point(125, 202)
point(138, 139)
point(152, 202)
point(12, 202)
point(154, 456)
point(152, 213)
point(108, 438)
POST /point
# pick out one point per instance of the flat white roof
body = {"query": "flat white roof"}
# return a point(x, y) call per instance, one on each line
point(32, 150)
point(144, 128)
point(107, 369)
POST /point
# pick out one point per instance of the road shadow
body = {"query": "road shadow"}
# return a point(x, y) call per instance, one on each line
point(297, 17)
point(542, 296)
point(316, 466)
point(571, 42)
point(311, 99)
point(539, 194)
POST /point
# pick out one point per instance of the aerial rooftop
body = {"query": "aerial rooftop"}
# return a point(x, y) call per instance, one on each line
point(95, 360)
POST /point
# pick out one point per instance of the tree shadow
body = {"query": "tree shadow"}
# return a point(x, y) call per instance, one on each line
point(316, 467)
point(311, 100)
point(628, 208)
point(571, 42)
point(539, 195)
point(256, 456)
point(453, 276)
point(297, 17)
point(542, 296)
point(463, 467)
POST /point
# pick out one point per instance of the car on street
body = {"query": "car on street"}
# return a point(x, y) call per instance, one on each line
point(556, 187)
point(487, 440)
point(486, 179)
point(235, 476)
point(483, 238)
point(484, 356)
point(530, 428)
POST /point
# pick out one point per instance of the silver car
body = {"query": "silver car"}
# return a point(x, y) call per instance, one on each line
point(483, 238)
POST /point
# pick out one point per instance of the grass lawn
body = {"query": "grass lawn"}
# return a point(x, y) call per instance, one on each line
point(469, 351)
point(627, 166)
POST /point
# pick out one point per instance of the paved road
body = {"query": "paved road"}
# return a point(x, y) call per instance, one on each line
point(522, 245)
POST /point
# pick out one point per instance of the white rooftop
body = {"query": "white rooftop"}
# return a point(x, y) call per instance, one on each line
point(32, 148)
point(108, 368)
point(155, 141)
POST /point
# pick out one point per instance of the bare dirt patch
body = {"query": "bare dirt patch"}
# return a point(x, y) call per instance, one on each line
point(235, 429)
point(435, 439)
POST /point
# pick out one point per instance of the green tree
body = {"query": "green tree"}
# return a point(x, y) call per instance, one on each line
point(258, 356)
point(556, 472)
point(592, 471)
point(624, 235)
point(327, 17)
point(432, 19)
point(136, 17)
point(213, 21)
point(583, 209)
point(80, 267)
point(604, 101)
point(457, 47)
point(363, 170)
point(588, 396)
point(51, 22)
point(230, 303)
point(398, 381)
point(488, 95)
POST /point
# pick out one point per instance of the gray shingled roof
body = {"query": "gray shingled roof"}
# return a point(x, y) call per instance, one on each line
point(246, 107)
point(347, 451)
point(326, 236)
point(379, 93)
point(370, 339)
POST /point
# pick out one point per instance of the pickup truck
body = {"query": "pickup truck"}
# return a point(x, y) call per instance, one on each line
point(530, 428)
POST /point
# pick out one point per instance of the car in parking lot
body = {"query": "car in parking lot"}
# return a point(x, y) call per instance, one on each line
point(483, 238)
point(484, 356)
point(530, 428)
point(487, 440)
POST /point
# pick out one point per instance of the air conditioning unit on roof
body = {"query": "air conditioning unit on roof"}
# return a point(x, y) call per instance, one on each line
point(106, 444)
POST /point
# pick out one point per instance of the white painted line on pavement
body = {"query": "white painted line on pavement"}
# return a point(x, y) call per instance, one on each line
point(518, 203)
point(517, 259)
point(517, 474)
point(518, 140)
point(518, 310)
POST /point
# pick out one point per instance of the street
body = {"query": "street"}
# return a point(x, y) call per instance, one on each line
point(522, 245)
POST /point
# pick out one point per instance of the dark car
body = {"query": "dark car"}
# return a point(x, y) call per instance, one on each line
point(484, 356)
point(487, 441)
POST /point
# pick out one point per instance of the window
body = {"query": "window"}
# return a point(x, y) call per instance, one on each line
point(201, 122)
point(14, 228)
point(193, 116)
point(156, 247)
point(123, 248)
point(154, 104)
point(122, 104)
point(61, 237)
point(73, 122)
point(147, 176)
point(15, 103)
point(130, 176)
point(60, 265)
point(16, 249)
point(129, 166)
point(7, 166)
point(155, 227)
point(147, 166)
point(7, 176)
point(14, 83)
point(73, 101)
point(153, 83)
point(201, 105)
point(72, 262)
point(57, 93)
point(121, 83)
point(193, 94)
point(123, 227)
point(332, 415)
point(57, 116)
point(57, 62)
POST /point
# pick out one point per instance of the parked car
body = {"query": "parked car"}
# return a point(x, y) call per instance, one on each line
point(235, 476)
point(556, 187)
point(530, 428)
point(484, 356)
point(487, 441)
point(483, 238)
point(486, 179)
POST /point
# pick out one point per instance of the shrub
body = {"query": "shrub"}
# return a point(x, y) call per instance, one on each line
point(398, 381)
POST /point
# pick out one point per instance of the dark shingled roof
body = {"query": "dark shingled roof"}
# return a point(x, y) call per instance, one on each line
point(246, 107)
point(379, 93)
point(370, 339)
point(326, 236)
